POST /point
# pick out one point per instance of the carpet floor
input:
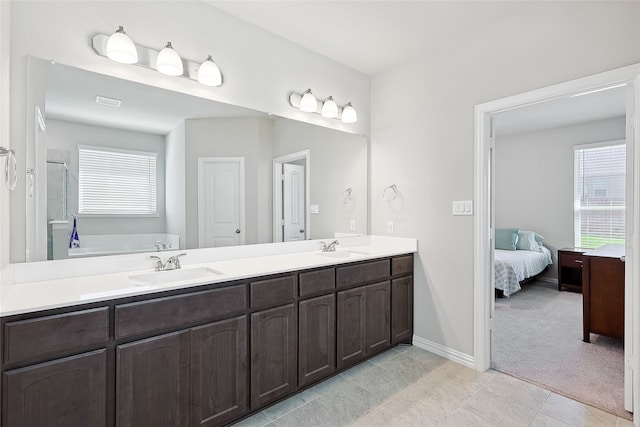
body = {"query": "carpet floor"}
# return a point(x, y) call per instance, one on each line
point(538, 338)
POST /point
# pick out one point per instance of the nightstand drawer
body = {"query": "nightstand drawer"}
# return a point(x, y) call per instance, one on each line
point(570, 259)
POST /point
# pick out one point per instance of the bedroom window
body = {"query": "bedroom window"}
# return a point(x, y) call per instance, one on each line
point(599, 194)
point(115, 182)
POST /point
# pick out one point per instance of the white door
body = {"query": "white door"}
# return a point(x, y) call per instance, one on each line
point(220, 201)
point(293, 201)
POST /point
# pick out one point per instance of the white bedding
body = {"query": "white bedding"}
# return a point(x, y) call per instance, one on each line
point(512, 267)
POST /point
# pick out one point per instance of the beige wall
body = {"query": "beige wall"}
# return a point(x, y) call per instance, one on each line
point(422, 134)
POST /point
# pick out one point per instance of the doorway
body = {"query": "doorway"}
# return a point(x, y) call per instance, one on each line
point(221, 201)
point(485, 221)
point(291, 185)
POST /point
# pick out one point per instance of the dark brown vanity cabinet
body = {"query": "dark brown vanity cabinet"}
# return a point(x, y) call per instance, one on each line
point(64, 392)
point(202, 356)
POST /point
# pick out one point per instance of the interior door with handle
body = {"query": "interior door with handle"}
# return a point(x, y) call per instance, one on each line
point(293, 200)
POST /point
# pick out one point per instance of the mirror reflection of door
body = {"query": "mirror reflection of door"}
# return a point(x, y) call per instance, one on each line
point(293, 202)
point(220, 201)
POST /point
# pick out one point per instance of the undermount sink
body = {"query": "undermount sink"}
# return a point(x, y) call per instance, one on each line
point(166, 276)
point(344, 253)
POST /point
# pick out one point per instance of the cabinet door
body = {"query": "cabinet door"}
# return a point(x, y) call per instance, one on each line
point(351, 326)
point(378, 317)
point(152, 381)
point(273, 354)
point(317, 339)
point(219, 372)
point(402, 310)
point(64, 392)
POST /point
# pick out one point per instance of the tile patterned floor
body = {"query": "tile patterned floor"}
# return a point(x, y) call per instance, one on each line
point(408, 386)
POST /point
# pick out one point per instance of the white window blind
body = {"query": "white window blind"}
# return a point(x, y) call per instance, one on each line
point(599, 194)
point(116, 182)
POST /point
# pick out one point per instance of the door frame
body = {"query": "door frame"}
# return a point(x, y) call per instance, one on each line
point(202, 161)
point(484, 222)
point(277, 191)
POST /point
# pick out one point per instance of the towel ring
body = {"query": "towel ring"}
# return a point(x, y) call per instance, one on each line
point(390, 193)
point(9, 165)
point(347, 195)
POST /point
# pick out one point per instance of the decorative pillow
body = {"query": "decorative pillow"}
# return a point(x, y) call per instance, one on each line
point(506, 238)
point(529, 241)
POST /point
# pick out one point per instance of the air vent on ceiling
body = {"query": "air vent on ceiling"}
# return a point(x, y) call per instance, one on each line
point(108, 102)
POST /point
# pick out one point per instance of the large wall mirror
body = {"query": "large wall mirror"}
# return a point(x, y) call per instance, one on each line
point(140, 168)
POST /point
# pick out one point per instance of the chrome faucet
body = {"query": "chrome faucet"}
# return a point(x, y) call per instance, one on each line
point(331, 247)
point(160, 245)
point(172, 263)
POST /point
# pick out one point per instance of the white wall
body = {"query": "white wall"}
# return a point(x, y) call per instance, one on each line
point(338, 161)
point(232, 137)
point(5, 140)
point(259, 68)
point(534, 179)
point(175, 184)
point(422, 134)
point(64, 137)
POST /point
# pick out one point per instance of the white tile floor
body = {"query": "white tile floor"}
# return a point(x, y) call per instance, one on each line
point(408, 386)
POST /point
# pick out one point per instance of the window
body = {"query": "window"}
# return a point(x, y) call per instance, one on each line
point(116, 182)
point(599, 194)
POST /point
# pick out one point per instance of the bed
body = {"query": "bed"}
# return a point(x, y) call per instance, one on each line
point(519, 256)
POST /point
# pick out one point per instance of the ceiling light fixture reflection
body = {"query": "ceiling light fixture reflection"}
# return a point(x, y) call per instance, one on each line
point(169, 62)
point(209, 73)
point(120, 48)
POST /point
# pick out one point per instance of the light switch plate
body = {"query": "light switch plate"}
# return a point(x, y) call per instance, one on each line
point(314, 209)
point(463, 207)
point(390, 227)
point(352, 225)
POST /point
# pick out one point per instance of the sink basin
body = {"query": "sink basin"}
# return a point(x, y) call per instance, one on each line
point(344, 253)
point(158, 277)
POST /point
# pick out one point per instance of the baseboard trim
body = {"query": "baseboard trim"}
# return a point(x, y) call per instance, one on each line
point(446, 352)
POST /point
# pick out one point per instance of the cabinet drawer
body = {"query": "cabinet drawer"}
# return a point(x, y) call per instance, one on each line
point(353, 275)
point(53, 335)
point(175, 312)
point(570, 260)
point(280, 290)
point(402, 265)
point(316, 282)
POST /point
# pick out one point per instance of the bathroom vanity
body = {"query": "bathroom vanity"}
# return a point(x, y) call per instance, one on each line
point(204, 354)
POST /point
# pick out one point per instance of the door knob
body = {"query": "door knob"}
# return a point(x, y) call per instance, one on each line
point(237, 231)
point(302, 231)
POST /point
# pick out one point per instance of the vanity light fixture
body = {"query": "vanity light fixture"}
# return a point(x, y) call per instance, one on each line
point(307, 102)
point(329, 108)
point(169, 62)
point(349, 114)
point(209, 73)
point(166, 61)
point(120, 47)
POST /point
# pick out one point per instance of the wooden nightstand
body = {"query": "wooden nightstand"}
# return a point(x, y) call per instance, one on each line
point(570, 269)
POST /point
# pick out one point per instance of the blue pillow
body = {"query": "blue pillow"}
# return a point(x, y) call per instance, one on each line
point(529, 241)
point(506, 238)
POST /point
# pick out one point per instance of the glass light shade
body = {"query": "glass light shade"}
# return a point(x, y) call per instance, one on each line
point(330, 108)
point(169, 62)
point(120, 48)
point(209, 73)
point(308, 103)
point(349, 114)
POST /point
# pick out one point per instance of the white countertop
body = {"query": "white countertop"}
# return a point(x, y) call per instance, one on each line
point(52, 284)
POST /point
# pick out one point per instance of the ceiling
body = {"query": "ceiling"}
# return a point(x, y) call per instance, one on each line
point(369, 36)
point(374, 36)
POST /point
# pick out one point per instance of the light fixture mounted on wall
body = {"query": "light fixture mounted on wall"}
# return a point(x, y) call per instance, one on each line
point(328, 108)
point(120, 48)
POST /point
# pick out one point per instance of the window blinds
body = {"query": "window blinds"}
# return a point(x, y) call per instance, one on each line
point(116, 182)
point(599, 194)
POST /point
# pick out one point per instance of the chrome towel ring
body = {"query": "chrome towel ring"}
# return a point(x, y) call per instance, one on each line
point(390, 193)
point(10, 168)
